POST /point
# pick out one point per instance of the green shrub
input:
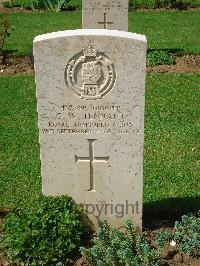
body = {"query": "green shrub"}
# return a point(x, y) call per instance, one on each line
point(73, 5)
point(114, 247)
point(134, 4)
point(164, 238)
point(178, 4)
point(20, 3)
point(5, 30)
point(58, 5)
point(29, 4)
point(152, 4)
point(44, 234)
point(186, 235)
point(53, 5)
point(159, 58)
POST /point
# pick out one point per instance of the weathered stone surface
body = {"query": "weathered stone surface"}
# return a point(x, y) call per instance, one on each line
point(90, 95)
point(104, 14)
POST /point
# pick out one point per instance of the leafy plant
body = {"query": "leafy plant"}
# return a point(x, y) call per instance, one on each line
point(29, 4)
point(73, 5)
point(153, 4)
point(44, 234)
point(77, 4)
point(53, 5)
point(159, 57)
point(135, 4)
point(5, 30)
point(186, 235)
point(114, 247)
point(6, 4)
point(164, 238)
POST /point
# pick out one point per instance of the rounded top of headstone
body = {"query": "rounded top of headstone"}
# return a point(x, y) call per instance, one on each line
point(89, 32)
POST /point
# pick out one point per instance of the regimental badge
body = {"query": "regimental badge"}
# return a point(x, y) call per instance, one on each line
point(90, 74)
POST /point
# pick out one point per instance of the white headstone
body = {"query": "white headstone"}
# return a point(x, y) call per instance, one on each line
point(105, 14)
point(90, 96)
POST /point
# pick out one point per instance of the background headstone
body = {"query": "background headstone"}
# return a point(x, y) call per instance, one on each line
point(90, 95)
point(105, 14)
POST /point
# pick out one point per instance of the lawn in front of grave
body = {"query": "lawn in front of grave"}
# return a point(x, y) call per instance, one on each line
point(172, 143)
point(171, 168)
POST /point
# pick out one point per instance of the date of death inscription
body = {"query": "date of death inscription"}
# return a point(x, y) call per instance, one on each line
point(91, 119)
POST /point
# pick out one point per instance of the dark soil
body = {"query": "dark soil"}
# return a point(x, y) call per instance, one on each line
point(16, 65)
point(19, 10)
point(184, 64)
point(172, 256)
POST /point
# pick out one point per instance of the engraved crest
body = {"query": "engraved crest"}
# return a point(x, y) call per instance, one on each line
point(90, 74)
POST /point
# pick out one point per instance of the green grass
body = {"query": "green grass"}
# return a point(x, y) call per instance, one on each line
point(175, 31)
point(172, 143)
point(195, 2)
point(29, 25)
point(19, 149)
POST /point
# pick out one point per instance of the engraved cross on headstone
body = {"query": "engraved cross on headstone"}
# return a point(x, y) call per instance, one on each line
point(105, 14)
point(91, 159)
point(105, 22)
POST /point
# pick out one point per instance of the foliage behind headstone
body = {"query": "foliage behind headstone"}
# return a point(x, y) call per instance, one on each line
point(4, 30)
point(58, 5)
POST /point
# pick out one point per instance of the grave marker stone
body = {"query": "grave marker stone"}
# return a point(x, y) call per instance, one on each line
point(104, 14)
point(90, 102)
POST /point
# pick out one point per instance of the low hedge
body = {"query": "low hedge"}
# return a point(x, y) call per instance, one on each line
point(72, 5)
